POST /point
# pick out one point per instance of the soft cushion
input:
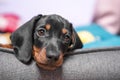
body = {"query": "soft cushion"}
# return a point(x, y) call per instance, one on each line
point(84, 64)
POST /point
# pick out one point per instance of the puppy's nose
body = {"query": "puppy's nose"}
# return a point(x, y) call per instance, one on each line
point(53, 57)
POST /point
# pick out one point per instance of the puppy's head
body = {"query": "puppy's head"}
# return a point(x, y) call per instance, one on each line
point(47, 38)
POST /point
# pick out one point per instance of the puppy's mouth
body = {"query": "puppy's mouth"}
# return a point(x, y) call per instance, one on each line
point(43, 62)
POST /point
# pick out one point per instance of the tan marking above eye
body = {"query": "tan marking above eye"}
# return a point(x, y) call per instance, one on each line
point(48, 26)
point(64, 31)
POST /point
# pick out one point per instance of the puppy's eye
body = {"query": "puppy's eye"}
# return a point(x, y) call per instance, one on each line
point(67, 38)
point(41, 32)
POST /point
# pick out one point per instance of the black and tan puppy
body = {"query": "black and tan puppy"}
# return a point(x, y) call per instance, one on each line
point(46, 38)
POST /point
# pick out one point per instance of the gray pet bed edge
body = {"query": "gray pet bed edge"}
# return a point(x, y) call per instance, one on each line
point(82, 64)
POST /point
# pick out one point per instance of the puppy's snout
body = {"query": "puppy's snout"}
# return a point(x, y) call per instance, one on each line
point(53, 57)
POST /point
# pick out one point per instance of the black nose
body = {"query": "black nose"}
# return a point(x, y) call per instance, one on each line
point(52, 57)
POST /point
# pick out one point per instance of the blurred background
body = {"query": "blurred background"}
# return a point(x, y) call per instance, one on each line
point(77, 11)
point(96, 21)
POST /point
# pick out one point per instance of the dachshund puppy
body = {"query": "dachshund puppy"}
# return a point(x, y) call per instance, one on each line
point(46, 38)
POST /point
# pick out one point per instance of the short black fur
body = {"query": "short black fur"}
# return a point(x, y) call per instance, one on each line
point(26, 36)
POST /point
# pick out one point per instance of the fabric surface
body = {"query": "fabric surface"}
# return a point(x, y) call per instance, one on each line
point(94, 36)
point(86, 64)
point(107, 14)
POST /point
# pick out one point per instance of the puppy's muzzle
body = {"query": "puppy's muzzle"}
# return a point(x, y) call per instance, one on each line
point(47, 60)
point(52, 56)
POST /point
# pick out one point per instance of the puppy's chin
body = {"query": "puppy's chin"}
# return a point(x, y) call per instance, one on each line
point(49, 66)
point(42, 62)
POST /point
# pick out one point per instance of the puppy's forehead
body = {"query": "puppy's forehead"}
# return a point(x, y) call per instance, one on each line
point(54, 24)
point(54, 21)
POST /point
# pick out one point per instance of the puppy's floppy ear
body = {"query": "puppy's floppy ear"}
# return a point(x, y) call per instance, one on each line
point(76, 42)
point(22, 40)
